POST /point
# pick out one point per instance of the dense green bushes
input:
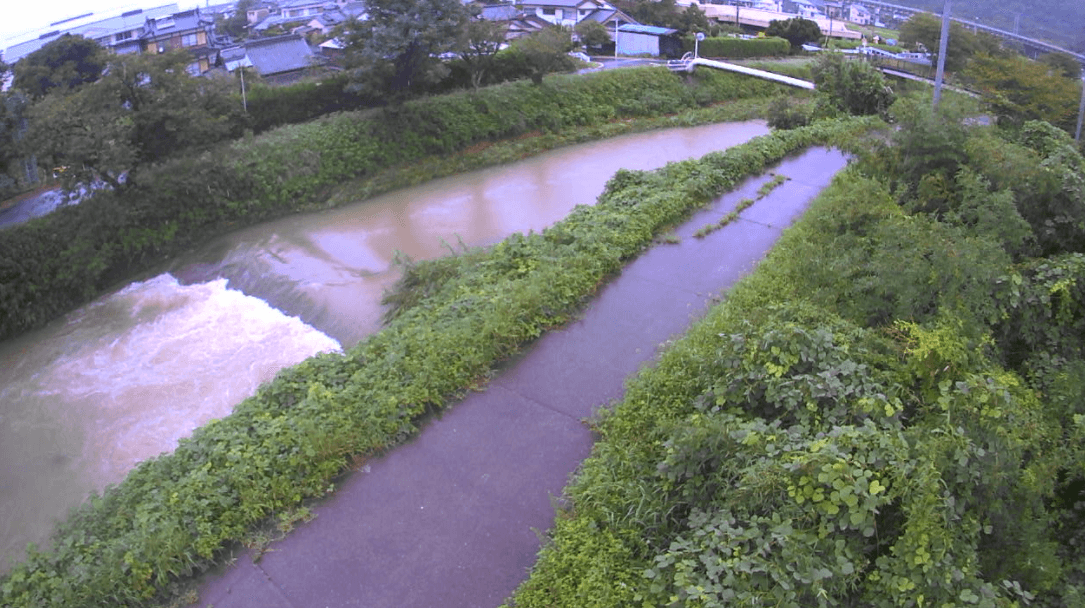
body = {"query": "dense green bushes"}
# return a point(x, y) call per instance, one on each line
point(887, 413)
point(63, 260)
point(173, 514)
point(739, 47)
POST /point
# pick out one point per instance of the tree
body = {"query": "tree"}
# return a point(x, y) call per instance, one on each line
point(546, 51)
point(666, 13)
point(12, 109)
point(397, 50)
point(592, 33)
point(64, 63)
point(797, 31)
point(692, 20)
point(854, 87)
point(478, 45)
point(1063, 64)
point(926, 29)
point(1019, 90)
point(144, 109)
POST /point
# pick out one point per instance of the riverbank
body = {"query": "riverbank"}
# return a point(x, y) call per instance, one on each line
point(173, 516)
point(71, 256)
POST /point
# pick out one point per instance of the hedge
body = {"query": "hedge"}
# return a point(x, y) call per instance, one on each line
point(887, 412)
point(739, 47)
point(173, 515)
point(53, 264)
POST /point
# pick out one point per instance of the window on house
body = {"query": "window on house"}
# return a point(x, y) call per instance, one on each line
point(549, 11)
point(189, 40)
point(193, 69)
point(122, 36)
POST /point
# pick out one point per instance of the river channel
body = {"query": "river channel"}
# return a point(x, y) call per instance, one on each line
point(124, 378)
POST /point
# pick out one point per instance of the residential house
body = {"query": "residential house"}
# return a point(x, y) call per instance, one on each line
point(280, 59)
point(329, 20)
point(563, 12)
point(189, 30)
point(835, 10)
point(857, 13)
point(258, 12)
point(306, 8)
point(611, 18)
point(807, 9)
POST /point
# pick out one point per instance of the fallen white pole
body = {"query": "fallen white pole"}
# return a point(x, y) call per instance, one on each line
point(741, 69)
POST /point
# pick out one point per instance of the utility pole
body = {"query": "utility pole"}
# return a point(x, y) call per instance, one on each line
point(615, 36)
point(244, 101)
point(1081, 108)
point(943, 43)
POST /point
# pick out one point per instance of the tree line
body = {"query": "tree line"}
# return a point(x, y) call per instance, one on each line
point(85, 115)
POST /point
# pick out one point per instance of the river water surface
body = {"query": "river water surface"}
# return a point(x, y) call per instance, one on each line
point(122, 379)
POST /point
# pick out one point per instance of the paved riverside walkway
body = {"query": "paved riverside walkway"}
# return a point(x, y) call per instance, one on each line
point(454, 517)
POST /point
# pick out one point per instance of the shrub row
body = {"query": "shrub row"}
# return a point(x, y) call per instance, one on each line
point(53, 264)
point(888, 412)
point(172, 515)
point(725, 46)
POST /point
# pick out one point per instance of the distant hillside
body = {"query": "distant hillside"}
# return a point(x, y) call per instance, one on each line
point(1061, 22)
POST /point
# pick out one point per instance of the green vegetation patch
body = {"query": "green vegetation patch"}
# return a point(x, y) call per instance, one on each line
point(888, 412)
point(174, 515)
point(725, 46)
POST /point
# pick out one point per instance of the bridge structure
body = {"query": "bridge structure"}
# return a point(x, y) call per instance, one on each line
point(1037, 47)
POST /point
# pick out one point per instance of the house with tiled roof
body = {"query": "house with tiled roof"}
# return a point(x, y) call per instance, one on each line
point(563, 12)
point(190, 31)
point(277, 59)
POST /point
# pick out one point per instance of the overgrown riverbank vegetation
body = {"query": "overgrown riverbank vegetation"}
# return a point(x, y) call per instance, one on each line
point(53, 264)
point(173, 516)
point(889, 412)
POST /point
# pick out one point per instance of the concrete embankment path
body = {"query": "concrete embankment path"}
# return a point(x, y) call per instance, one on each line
point(453, 518)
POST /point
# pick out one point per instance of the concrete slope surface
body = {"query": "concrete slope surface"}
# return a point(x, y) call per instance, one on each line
point(454, 517)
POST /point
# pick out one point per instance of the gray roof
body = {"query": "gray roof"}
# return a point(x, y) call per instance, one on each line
point(273, 20)
point(279, 54)
point(604, 15)
point(170, 24)
point(500, 12)
point(300, 3)
point(559, 3)
point(647, 29)
point(128, 21)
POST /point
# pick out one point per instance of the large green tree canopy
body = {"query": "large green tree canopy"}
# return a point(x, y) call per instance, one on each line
point(145, 108)
point(397, 50)
point(66, 63)
point(797, 31)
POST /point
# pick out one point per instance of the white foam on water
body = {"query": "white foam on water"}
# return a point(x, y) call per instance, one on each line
point(124, 380)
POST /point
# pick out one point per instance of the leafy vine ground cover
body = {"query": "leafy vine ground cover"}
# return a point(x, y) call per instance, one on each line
point(889, 412)
point(173, 515)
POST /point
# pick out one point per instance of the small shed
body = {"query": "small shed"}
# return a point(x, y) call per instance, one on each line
point(648, 40)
